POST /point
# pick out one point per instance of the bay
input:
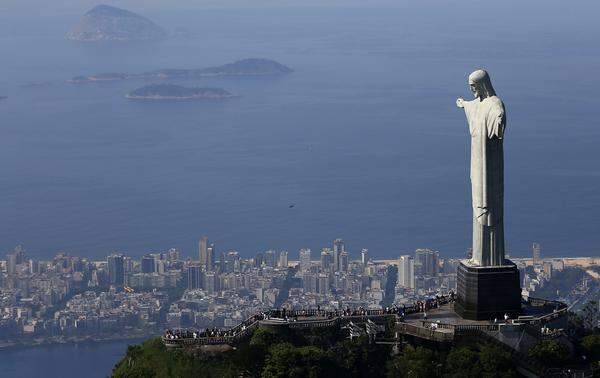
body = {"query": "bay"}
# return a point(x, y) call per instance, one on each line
point(363, 137)
point(88, 359)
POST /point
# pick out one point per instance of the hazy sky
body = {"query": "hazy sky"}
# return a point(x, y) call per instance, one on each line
point(536, 7)
point(62, 5)
point(550, 16)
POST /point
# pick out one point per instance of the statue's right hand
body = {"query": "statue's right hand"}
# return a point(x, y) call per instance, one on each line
point(460, 102)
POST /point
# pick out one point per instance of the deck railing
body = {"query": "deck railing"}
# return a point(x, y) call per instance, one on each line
point(424, 333)
point(454, 327)
point(291, 319)
point(312, 318)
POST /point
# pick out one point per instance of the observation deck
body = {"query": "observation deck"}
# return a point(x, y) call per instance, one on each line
point(433, 320)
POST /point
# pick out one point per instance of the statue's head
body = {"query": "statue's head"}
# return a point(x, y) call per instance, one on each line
point(481, 85)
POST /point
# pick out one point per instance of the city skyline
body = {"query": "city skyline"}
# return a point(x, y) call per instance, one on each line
point(353, 253)
point(70, 299)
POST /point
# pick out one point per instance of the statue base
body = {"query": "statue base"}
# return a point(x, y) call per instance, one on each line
point(487, 292)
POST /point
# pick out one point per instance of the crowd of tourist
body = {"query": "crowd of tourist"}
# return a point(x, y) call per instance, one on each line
point(177, 334)
point(285, 315)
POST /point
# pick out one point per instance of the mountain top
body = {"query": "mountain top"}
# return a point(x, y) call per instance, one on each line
point(108, 23)
point(110, 11)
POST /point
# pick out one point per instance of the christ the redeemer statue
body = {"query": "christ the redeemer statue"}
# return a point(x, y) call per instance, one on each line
point(487, 122)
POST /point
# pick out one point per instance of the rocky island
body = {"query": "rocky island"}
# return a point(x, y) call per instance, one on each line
point(244, 67)
point(107, 23)
point(176, 92)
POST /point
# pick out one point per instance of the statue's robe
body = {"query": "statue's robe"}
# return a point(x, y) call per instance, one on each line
point(487, 122)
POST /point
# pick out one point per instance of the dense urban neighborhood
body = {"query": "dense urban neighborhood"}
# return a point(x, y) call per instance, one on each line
point(72, 298)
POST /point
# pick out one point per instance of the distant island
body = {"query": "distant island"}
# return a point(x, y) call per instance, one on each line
point(244, 67)
point(176, 92)
point(37, 84)
point(3, 98)
point(107, 23)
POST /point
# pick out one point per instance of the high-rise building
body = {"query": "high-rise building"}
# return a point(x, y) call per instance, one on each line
point(344, 261)
point(323, 284)
point(173, 254)
point(11, 263)
point(159, 266)
point(203, 250)
point(338, 248)
point(326, 260)
point(283, 259)
point(548, 269)
point(304, 258)
point(309, 282)
point(148, 264)
point(537, 254)
point(34, 267)
point(19, 252)
point(127, 264)
point(426, 262)
point(406, 271)
point(271, 258)
point(116, 269)
point(259, 259)
point(364, 256)
point(14, 258)
point(210, 257)
point(233, 261)
point(222, 262)
point(195, 278)
point(211, 283)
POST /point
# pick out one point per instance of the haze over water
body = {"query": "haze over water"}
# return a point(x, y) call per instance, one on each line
point(364, 137)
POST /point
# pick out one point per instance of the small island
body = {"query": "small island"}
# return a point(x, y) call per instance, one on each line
point(176, 92)
point(248, 67)
point(244, 67)
point(107, 23)
point(98, 77)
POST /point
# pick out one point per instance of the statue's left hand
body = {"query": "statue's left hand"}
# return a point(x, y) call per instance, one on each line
point(460, 102)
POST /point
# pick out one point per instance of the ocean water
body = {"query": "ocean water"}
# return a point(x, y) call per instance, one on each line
point(364, 137)
point(89, 359)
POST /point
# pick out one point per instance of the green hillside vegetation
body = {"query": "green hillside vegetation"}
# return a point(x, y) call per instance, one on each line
point(320, 353)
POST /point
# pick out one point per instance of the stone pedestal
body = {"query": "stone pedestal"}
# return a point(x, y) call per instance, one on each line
point(485, 293)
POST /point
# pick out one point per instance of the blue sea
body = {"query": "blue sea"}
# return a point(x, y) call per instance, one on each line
point(87, 359)
point(363, 138)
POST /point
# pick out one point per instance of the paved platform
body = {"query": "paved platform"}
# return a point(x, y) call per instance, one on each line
point(444, 314)
point(532, 311)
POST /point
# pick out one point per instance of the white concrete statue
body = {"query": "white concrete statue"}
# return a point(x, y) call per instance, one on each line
point(487, 121)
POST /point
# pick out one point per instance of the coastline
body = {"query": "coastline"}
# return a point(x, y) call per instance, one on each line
point(32, 343)
point(178, 98)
